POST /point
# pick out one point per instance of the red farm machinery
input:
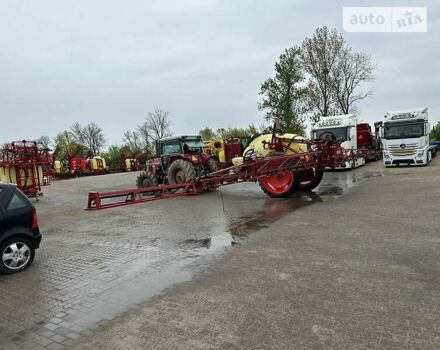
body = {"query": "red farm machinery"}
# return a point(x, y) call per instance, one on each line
point(291, 164)
point(79, 162)
point(26, 164)
point(127, 162)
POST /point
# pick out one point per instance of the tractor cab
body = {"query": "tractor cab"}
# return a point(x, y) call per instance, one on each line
point(178, 147)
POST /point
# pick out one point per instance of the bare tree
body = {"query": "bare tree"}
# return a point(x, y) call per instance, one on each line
point(144, 134)
point(44, 141)
point(351, 70)
point(158, 125)
point(319, 57)
point(335, 73)
point(90, 136)
point(133, 140)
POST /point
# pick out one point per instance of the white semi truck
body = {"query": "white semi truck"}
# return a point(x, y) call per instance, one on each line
point(406, 138)
point(352, 134)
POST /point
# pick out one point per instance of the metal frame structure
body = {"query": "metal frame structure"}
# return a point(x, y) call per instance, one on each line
point(25, 157)
point(321, 154)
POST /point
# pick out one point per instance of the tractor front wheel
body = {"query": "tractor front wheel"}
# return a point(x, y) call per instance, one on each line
point(146, 179)
point(181, 171)
point(212, 165)
point(280, 185)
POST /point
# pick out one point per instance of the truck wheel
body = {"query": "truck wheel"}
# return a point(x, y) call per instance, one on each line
point(280, 185)
point(181, 171)
point(212, 165)
point(16, 255)
point(146, 179)
point(312, 178)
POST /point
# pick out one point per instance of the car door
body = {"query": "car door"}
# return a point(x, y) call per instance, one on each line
point(4, 199)
point(18, 213)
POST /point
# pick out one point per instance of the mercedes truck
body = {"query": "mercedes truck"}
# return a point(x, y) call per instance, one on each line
point(406, 138)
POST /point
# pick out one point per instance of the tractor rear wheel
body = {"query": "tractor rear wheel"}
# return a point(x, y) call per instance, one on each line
point(310, 179)
point(280, 185)
point(212, 165)
point(181, 171)
point(146, 179)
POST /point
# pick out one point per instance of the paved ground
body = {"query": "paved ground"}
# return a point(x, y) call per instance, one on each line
point(310, 272)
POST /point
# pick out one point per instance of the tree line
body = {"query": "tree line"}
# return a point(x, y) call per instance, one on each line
point(82, 140)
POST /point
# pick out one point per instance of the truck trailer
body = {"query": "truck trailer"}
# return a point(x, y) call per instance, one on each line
point(353, 135)
point(406, 138)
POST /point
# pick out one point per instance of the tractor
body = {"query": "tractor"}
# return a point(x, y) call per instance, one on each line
point(179, 159)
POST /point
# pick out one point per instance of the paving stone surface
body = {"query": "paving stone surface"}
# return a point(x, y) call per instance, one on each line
point(94, 266)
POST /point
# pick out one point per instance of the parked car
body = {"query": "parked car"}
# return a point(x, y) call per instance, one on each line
point(436, 143)
point(19, 231)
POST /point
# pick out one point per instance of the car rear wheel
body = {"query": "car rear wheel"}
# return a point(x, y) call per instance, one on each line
point(16, 255)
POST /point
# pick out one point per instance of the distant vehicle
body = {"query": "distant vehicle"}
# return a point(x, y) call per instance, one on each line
point(179, 159)
point(436, 143)
point(74, 165)
point(406, 138)
point(353, 136)
point(19, 231)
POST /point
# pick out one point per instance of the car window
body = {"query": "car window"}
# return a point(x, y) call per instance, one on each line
point(17, 202)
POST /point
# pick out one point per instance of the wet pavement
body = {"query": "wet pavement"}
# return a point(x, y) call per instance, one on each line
point(94, 266)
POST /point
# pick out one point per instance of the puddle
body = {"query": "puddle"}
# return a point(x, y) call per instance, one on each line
point(197, 243)
point(271, 211)
point(335, 184)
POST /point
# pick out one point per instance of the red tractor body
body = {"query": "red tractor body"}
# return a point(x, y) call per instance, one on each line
point(180, 159)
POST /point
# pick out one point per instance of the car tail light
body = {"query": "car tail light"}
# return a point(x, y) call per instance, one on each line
point(34, 219)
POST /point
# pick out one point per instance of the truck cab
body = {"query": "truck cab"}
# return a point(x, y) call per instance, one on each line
point(406, 138)
point(342, 128)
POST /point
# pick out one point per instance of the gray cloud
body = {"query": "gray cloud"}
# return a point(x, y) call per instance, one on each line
point(112, 61)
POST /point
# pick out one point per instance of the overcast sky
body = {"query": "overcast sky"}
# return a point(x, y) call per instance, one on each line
point(111, 62)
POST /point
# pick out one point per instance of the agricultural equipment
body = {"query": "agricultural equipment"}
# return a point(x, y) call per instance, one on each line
point(281, 163)
point(224, 150)
point(74, 165)
point(352, 135)
point(179, 160)
point(22, 163)
point(130, 162)
point(127, 162)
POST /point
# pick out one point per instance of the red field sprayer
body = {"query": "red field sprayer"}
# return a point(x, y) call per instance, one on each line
point(279, 174)
point(25, 163)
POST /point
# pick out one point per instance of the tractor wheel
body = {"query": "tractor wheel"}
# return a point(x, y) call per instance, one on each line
point(310, 179)
point(181, 171)
point(212, 165)
point(146, 179)
point(281, 185)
